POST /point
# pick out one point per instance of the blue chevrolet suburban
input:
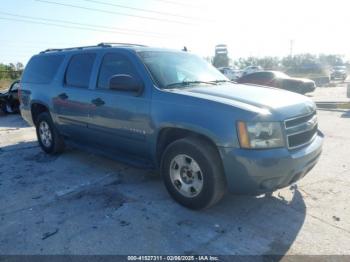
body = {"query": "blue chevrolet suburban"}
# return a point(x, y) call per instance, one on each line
point(173, 112)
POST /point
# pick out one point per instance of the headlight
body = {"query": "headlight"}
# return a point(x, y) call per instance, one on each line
point(260, 134)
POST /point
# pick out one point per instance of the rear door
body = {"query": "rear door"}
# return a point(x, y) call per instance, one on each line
point(120, 119)
point(72, 101)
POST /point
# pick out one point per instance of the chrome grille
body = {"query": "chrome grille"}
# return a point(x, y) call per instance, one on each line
point(301, 130)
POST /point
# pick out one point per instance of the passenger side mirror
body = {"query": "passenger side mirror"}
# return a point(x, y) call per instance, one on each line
point(126, 83)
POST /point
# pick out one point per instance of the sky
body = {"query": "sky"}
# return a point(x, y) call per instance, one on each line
point(247, 27)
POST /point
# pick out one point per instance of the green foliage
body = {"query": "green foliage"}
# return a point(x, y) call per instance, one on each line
point(297, 64)
point(267, 62)
point(11, 71)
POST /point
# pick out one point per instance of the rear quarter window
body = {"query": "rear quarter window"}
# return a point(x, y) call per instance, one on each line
point(42, 69)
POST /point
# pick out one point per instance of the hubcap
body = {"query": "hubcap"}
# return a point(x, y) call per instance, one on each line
point(186, 175)
point(45, 134)
point(8, 108)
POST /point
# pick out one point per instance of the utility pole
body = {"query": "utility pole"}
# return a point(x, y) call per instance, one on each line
point(291, 47)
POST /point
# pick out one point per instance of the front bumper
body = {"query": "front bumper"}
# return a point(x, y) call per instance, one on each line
point(260, 171)
point(338, 75)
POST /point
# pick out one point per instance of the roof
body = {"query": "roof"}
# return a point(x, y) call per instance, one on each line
point(135, 47)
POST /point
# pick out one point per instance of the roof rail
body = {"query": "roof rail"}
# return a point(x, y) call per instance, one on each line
point(91, 46)
point(69, 48)
point(122, 44)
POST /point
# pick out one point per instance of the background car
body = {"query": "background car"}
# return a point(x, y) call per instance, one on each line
point(231, 73)
point(9, 102)
point(251, 69)
point(339, 72)
point(279, 80)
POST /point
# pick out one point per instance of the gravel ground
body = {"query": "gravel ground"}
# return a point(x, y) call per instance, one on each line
point(79, 203)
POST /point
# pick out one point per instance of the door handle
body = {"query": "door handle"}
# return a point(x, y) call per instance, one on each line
point(98, 101)
point(63, 96)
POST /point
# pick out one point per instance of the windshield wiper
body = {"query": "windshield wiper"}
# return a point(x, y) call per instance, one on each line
point(187, 83)
point(223, 81)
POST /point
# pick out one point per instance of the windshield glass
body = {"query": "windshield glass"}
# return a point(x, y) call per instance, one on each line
point(281, 75)
point(168, 68)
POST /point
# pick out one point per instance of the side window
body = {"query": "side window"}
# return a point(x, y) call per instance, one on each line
point(252, 77)
point(114, 64)
point(266, 76)
point(261, 76)
point(42, 69)
point(79, 70)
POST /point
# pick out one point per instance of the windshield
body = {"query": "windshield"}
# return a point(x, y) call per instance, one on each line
point(281, 75)
point(169, 68)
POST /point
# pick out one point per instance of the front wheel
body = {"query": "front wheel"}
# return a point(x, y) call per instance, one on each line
point(192, 173)
point(49, 138)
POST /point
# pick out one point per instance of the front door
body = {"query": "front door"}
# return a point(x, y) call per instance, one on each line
point(120, 119)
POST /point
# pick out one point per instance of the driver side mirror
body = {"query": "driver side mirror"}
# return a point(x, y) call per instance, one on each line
point(126, 83)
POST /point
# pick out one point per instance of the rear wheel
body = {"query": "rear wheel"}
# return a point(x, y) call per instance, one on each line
point(49, 138)
point(3, 110)
point(192, 173)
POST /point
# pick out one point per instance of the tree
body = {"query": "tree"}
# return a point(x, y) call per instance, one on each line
point(331, 60)
point(11, 71)
point(267, 62)
point(19, 66)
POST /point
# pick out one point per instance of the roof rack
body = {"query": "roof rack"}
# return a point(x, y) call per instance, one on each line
point(122, 44)
point(91, 46)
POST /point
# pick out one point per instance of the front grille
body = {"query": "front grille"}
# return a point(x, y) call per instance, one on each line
point(298, 120)
point(301, 130)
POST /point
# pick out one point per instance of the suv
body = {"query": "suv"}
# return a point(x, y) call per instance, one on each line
point(173, 112)
point(339, 72)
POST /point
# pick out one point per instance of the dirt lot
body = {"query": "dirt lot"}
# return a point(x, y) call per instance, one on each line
point(78, 203)
point(5, 83)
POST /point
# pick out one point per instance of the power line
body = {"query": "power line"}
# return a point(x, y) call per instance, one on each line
point(143, 10)
point(176, 3)
point(69, 26)
point(11, 40)
point(82, 24)
point(115, 13)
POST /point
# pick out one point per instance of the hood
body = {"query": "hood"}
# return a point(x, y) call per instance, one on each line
point(304, 80)
point(260, 99)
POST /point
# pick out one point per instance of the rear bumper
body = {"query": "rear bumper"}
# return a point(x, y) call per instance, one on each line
point(261, 171)
point(26, 115)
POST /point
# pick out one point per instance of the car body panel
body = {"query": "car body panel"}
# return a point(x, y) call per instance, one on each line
point(9, 100)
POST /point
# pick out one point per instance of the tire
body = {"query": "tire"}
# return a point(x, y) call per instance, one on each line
point(3, 110)
point(56, 143)
point(210, 174)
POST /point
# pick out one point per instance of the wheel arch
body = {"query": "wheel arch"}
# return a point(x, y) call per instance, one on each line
point(168, 134)
point(36, 108)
